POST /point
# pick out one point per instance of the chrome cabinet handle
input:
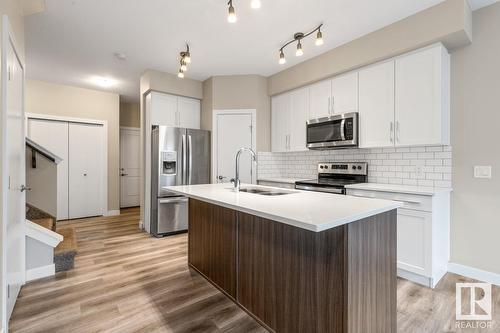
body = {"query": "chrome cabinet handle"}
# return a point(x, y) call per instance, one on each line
point(391, 132)
point(329, 105)
point(24, 188)
point(333, 105)
point(397, 131)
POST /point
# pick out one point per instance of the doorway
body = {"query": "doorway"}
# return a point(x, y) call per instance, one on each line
point(232, 130)
point(129, 166)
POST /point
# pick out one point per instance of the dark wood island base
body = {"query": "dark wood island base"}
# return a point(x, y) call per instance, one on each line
point(295, 280)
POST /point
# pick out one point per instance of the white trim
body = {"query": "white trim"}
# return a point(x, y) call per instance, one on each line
point(253, 113)
point(40, 272)
point(474, 273)
point(127, 128)
point(42, 234)
point(104, 124)
point(114, 212)
point(416, 278)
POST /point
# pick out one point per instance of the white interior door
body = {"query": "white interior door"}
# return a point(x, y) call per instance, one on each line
point(15, 167)
point(86, 143)
point(53, 135)
point(129, 167)
point(234, 131)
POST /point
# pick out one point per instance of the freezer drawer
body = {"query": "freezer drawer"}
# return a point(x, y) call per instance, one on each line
point(172, 215)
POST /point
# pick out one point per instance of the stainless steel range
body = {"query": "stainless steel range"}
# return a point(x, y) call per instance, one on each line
point(333, 177)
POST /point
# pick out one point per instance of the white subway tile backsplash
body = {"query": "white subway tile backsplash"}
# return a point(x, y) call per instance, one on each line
point(424, 166)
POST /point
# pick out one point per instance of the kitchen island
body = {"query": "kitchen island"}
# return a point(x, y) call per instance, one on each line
point(297, 261)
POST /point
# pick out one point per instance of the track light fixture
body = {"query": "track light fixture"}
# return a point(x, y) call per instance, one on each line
point(231, 16)
point(185, 59)
point(298, 38)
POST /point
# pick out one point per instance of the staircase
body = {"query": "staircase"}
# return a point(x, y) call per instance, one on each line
point(66, 250)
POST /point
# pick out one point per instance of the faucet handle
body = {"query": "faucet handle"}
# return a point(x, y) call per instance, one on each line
point(232, 180)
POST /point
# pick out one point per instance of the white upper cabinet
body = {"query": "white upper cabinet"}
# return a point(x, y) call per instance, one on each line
point(189, 113)
point(376, 105)
point(279, 122)
point(320, 99)
point(422, 97)
point(163, 109)
point(175, 111)
point(299, 110)
point(345, 93)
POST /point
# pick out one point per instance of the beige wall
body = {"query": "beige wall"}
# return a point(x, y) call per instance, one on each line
point(130, 114)
point(448, 22)
point(475, 137)
point(65, 101)
point(239, 92)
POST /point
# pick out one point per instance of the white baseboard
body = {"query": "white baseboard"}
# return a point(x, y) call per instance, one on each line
point(113, 212)
point(40, 272)
point(416, 278)
point(474, 273)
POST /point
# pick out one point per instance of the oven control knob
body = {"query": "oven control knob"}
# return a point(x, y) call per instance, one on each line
point(359, 167)
point(321, 167)
point(326, 166)
point(354, 167)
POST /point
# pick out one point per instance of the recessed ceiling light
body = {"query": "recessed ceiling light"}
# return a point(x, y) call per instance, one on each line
point(103, 82)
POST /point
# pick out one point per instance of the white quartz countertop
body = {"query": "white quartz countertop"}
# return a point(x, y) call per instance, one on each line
point(280, 180)
point(313, 211)
point(408, 189)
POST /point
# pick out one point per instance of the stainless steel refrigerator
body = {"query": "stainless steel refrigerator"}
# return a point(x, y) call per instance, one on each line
point(179, 156)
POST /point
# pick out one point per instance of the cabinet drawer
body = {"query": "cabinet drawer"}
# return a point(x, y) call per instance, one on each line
point(410, 201)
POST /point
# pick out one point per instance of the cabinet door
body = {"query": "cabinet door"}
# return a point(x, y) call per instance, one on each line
point(422, 97)
point(345, 93)
point(320, 98)
point(86, 144)
point(164, 109)
point(299, 106)
point(376, 105)
point(414, 241)
point(279, 122)
point(189, 113)
point(212, 243)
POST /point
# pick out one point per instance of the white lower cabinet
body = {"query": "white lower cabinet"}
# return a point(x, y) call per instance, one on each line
point(423, 233)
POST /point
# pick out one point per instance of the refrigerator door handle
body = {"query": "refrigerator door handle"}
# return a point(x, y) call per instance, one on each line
point(184, 160)
point(190, 163)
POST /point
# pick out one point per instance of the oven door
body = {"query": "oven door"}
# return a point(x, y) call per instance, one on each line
point(330, 132)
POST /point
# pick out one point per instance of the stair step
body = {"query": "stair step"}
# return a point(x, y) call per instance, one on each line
point(65, 252)
point(47, 223)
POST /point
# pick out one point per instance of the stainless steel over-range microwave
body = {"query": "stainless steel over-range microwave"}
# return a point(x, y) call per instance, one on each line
point(334, 132)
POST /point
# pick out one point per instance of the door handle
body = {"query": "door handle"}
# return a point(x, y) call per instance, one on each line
point(124, 174)
point(184, 160)
point(24, 188)
point(190, 148)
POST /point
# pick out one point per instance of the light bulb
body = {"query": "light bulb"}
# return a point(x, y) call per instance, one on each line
point(231, 17)
point(255, 4)
point(299, 51)
point(282, 60)
point(187, 58)
point(181, 74)
point(319, 38)
point(184, 67)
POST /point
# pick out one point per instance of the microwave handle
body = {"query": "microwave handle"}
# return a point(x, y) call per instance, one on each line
point(342, 129)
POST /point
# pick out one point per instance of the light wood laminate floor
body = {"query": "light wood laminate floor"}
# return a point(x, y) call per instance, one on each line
point(126, 281)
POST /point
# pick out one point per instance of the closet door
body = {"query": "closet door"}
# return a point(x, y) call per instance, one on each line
point(86, 143)
point(53, 135)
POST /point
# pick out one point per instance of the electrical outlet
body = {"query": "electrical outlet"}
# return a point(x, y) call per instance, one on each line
point(482, 171)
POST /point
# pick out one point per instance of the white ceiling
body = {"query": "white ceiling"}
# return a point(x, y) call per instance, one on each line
point(74, 40)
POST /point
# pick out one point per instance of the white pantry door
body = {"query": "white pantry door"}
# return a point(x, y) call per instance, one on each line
point(234, 131)
point(16, 196)
point(53, 135)
point(85, 174)
point(129, 167)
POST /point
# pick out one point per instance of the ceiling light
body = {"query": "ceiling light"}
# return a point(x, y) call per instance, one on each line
point(319, 38)
point(255, 4)
point(186, 56)
point(231, 16)
point(297, 37)
point(183, 66)
point(181, 74)
point(299, 51)
point(282, 60)
point(103, 82)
